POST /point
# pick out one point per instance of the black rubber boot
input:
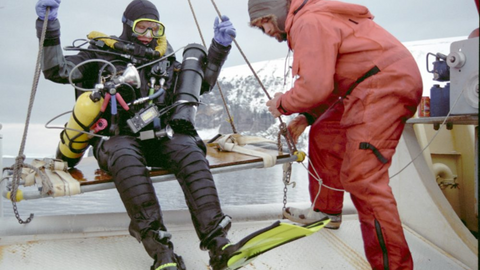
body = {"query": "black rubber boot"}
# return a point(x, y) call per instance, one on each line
point(220, 250)
point(219, 247)
point(158, 246)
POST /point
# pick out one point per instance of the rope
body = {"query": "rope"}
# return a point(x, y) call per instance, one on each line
point(283, 130)
point(21, 157)
point(196, 22)
point(320, 181)
point(282, 126)
point(230, 119)
point(433, 137)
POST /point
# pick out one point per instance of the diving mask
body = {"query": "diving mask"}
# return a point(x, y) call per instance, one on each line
point(142, 26)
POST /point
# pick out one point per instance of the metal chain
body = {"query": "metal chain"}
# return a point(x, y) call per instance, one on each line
point(15, 183)
point(287, 172)
point(285, 133)
point(288, 138)
point(283, 127)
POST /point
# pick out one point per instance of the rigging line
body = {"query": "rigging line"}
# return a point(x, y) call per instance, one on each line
point(244, 56)
point(197, 24)
point(230, 119)
point(433, 137)
point(21, 157)
point(319, 180)
point(287, 135)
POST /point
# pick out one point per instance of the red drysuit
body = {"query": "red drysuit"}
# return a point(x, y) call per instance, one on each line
point(352, 142)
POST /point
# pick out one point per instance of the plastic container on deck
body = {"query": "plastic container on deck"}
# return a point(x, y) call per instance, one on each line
point(439, 100)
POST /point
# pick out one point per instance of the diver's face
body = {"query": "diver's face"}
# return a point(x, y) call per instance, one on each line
point(270, 28)
point(146, 28)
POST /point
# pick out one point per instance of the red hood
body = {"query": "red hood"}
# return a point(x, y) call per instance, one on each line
point(352, 10)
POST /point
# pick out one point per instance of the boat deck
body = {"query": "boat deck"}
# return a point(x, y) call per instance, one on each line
point(437, 237)
point(82, 242)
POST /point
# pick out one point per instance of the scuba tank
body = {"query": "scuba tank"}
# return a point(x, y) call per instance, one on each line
point(85, 114)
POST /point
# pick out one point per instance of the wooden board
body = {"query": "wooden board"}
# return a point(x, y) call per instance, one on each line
point(88, 172)
point(453, 119)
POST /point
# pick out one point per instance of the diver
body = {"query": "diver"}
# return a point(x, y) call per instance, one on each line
point(126, 156)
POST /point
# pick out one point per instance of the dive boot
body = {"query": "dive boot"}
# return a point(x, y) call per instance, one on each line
point(158, 246)
point(176, 264)
point(218, 245)
point(220, 256)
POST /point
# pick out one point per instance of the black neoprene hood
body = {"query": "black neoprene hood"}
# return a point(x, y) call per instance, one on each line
point(135, 10)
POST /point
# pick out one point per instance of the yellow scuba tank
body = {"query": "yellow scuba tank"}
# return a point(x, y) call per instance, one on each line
point(73, 143)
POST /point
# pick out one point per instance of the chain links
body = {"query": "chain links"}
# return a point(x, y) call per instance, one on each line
point(287, 174)
point(287, 167)
point(17, 169)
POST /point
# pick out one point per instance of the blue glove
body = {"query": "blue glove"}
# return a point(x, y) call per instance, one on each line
point(224, 32)
point(41, 9)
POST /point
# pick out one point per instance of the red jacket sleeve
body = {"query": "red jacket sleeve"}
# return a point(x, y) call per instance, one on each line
point(315, 42)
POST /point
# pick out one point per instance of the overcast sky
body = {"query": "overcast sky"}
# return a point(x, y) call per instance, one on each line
point(408, 20)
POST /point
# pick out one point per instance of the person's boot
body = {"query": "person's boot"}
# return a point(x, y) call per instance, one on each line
point(158, 246)
point(219, 247)
point(220, 250)
point(309, 215)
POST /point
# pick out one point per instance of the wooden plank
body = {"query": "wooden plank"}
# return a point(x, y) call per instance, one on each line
point(453, 119)
point(88, 172)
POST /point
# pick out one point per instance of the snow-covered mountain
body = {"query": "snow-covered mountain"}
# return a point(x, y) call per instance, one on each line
point(246, 98)
point(243, 94)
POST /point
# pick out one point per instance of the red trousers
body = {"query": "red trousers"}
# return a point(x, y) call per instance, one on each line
point(351, 146)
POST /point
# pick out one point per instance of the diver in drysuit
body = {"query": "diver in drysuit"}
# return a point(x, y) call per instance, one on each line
point(124, 155)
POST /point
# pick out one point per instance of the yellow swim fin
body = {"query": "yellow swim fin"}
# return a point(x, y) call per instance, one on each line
point(268, 238)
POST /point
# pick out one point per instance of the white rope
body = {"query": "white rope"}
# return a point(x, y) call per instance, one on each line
point(320, 181)
point(434, 136)
point(54, 181)
point(236, 143)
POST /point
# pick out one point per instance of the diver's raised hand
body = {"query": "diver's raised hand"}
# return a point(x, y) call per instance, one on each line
point(41, 9)
point(224, 32)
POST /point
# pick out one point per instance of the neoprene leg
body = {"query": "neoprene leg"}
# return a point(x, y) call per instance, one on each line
point(186, 157)
point(123, 158)
point(160, 248)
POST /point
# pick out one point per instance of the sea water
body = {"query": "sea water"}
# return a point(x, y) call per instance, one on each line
point(252, 186)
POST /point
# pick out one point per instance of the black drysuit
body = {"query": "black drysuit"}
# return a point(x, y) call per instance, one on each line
point(126, 157)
